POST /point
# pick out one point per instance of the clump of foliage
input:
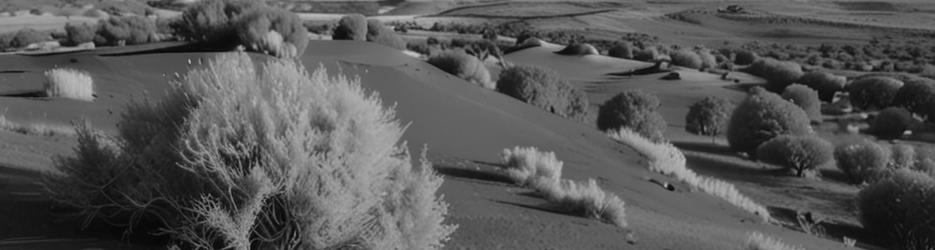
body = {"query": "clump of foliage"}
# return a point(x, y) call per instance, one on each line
point(27, 36)
point(825, 83)
point(745, 57)
point(899, 208)
point(762, 116)
point(647, 54)
point(758, 241)
point(526, 165)
point(621, 50)
point(464, 66)
point(545, 89)
point(797, 153)
point(709, 116)
point(351, 27)
point(708, 60)
point(635, 110)
point(585, 199)
point(861, 161)
point(273, 31)
point(69, 83)
point(892, 122)
point(806, 98)
point(778, 74)
point(578, 49)
point(125, 31)
point(686, 58)
point(873, 93)
point(212, 22)
point(379, 33)
point(917, 96)
point(235, 157)
point(78, 33)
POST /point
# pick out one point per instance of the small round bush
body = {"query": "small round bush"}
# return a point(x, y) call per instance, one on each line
point(862, 161)
point(797, 153)
point(745, 57)
point(686, 58)
point(899, 208)
point(351, 27)
point(621, 50)
point(647, 55)
point(825, 83)
point(635, 110)
point(892, 122)
point(464, 66)
point(709, 116)
point(545, 89)
point(762, 116)
point(903, 156)
point(27, 36)
point(78, 33)
point(379, 33)
point(806, 98)
point(211, 22)
point(917, 96)
point(778, 74)
point(873, 93)
point(125, 30)
point(273, 31)
point(578, 49)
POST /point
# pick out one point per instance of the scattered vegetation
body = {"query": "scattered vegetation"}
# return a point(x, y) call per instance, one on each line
point(545, 89)
point(801, 154)
point(351, 27)
point(862, 161)
point(635, 110)
point(69, 83)
point(709, 116)
point(900, 208)
point(806, 98)
point(464, 66)
point(208, 165)
point(825, 83)
point(762, 116)
point(873, 93)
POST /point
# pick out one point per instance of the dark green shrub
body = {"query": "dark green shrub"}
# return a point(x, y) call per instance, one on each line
point(379, 33)
point(825, 83)
point(125, 30)
point(709, 116)
point(647, 55)
point(892, 122)
point(917, 96)
point(797, 153)
point(635, 110)
point(211, 22)
point(464, 66)
point(745, 57)
point(351, 27)
point(862, 161)
point(762, 116)
point(545, 89)
point(686, 58)
point(27, 36)
point(622, 50)
point(6, 40)
point(873, 93)
point(273, 31)
point(578, 49)
point(78, 33)
point(900, 209)
point(806, 98)
point(778, 74)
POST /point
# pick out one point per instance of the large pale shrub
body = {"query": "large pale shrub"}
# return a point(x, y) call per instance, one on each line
point(245, 158)
point(862, 161)
point(545, 89)
point(806, 98)
point(527, 164)
point(762, 116)
point(825, 83)
point(800, 154)
point(900, 208)
point(464, 66)
point(635, 110)
point(377, 32)
point(351, 27)
point(69, 83)
point(778, 74)
point(709, 116)
point(873, 93)
point(273, 31)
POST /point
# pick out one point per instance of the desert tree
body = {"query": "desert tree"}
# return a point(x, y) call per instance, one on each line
point(709, 116)
point(760, 117)
point(801, 154)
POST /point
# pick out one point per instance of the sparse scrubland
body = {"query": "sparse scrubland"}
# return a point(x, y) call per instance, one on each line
point(464, 66)
point(544, 89)
point(635, 110)
point(69, 83)
point(238, 157)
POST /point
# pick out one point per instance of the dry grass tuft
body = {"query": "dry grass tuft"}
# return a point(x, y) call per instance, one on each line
point(35, 128)
point(758, 241)
point(525, 164)
point(586, 199)
point(69, 83)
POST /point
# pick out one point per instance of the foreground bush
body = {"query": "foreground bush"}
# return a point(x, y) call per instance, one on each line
point(900, 208)
point(527, 164)
point(873, 93)
point(351, 27)
point(825, 83)
point(545, 89)
point(686, 58)
point(69, 83)
point(379, 33)
point(758, 241)
point(585, 199)
point(709, 116)
point(272, 31)
point(917, 96)
point(464, 66)
point(762, 116)
point(800, 154)
point(892, 123)
point(78, 33)
point(212, 22)
point(778, 74)
point(245, 158)
point(806, 98)
point(861, 161)
point(118, 31)
point(635, 110)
